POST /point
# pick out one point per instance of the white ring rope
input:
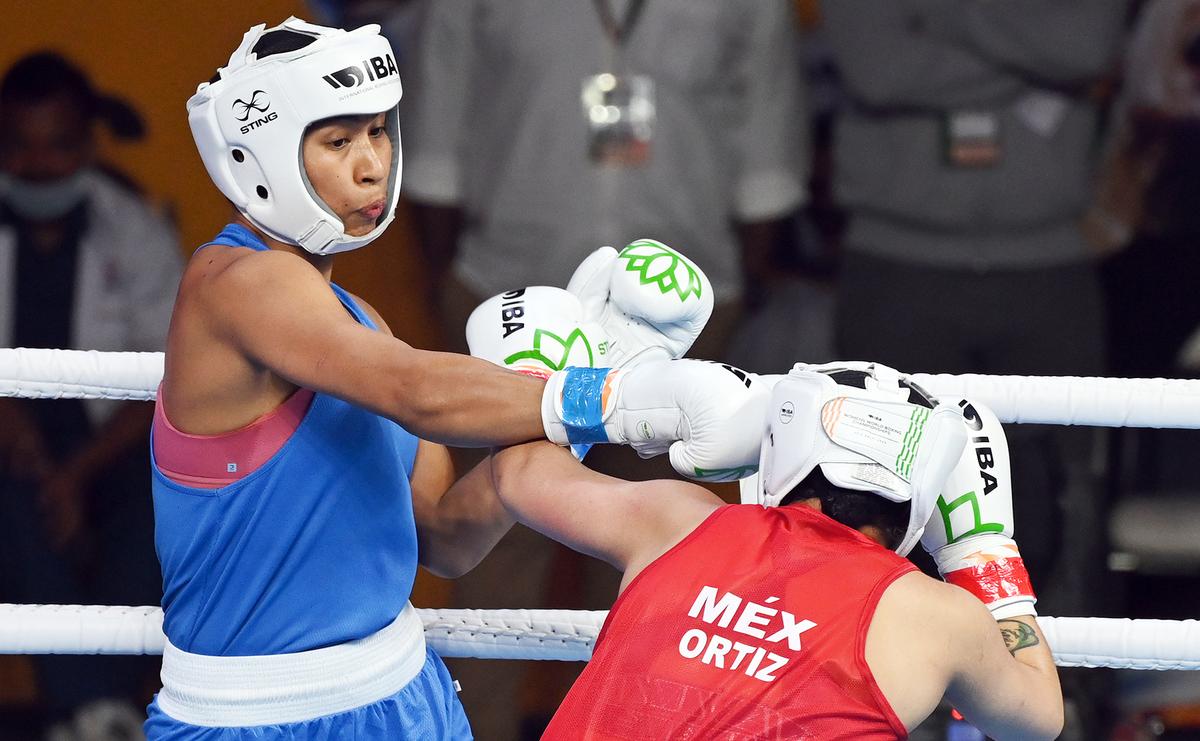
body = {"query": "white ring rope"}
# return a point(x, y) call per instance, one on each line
point(79, 374)
point(564, 635)
point(1072, 400)
point(1065, 400)
point(568, 635)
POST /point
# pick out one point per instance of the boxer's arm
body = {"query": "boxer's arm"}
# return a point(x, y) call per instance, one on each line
point(625, 523)
point(1003, 679)
point(969, 537)
point(305, 335)
point(458, 522)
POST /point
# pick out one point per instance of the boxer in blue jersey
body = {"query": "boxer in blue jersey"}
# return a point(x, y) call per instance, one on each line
point(307, 556)
point(313, 547)
point(299, 474)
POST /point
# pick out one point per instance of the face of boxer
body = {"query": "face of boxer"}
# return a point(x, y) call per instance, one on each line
point(348, 160)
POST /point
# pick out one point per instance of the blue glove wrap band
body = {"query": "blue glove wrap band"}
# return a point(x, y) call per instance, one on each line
point(583, 405)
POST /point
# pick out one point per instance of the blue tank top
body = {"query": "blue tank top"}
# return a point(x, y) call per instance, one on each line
point(316, 547)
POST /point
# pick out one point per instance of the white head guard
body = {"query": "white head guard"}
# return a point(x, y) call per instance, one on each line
point(859, 423)
point(249, 124)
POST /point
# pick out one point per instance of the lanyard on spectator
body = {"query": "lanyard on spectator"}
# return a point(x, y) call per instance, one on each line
point(618, 105)
point(618, 31)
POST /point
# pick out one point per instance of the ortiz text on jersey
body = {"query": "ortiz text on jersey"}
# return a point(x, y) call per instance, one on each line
point(760, 623)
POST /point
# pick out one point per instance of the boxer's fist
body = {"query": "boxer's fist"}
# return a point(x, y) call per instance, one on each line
point(650, 300)
point(535, 330)
point(708, 416)
point(970, 533)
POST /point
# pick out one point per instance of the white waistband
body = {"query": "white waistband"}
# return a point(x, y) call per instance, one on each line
point(235, 691)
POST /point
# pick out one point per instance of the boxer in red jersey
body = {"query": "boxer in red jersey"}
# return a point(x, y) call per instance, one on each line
point(796, 620)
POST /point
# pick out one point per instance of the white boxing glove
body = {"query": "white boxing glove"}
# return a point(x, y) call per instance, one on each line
point(708, 416)
point(535, 330)
point(970, 533)
point(650, 300)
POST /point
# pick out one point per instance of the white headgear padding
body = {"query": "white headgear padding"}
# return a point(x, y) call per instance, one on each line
point(249, 126)
point(869, 436)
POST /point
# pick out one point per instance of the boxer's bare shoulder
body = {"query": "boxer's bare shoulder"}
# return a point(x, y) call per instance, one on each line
point(910, 644)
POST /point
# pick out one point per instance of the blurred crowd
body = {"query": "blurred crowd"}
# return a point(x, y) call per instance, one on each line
point(954, 186)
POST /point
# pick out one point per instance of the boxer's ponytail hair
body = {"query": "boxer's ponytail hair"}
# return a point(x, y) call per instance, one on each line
point(854, 509)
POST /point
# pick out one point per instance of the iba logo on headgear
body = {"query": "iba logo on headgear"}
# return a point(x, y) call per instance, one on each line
point(260, 102)
point(375, 68)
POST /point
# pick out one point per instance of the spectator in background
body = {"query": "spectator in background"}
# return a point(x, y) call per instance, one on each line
point(1147, 205)
point(964, 162)
point(540, 131)
point(793, 317)
point(85, 263)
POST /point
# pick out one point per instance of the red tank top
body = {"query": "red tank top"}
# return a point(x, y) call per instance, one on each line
point(752, 627)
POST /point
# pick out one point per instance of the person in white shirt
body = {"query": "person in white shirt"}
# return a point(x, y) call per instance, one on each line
point(85, 263)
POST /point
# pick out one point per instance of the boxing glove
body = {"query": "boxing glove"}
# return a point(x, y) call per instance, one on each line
point(707, 416)
point(650, 300)
point(970, 532)
point(535, 330)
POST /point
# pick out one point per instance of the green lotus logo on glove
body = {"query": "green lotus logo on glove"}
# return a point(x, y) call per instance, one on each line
point(574, 350)
point(655, 263)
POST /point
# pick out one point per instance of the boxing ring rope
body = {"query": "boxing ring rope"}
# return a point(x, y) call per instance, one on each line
point(79, 374)
point(567, 634)
point(1061, 400)
point(563, 635)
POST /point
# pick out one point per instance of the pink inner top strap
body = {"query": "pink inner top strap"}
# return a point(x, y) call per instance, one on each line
point(213, 461)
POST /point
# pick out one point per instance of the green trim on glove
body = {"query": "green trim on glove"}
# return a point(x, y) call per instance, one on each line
point(562, 346)
point(640, 257)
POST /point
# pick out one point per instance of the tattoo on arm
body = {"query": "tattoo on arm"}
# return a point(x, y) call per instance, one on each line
point(1017, 635)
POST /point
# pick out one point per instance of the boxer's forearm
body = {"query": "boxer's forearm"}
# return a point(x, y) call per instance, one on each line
point(465, 402)
point(529, 480)
point(1024, 640)
point(456, 530)
point(547, 490)
point(624, 523)
point(1043, 717)
point(1007, 688)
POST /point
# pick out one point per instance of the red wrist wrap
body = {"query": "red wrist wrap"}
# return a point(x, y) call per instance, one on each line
point(994, 580)
point(535, 372)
